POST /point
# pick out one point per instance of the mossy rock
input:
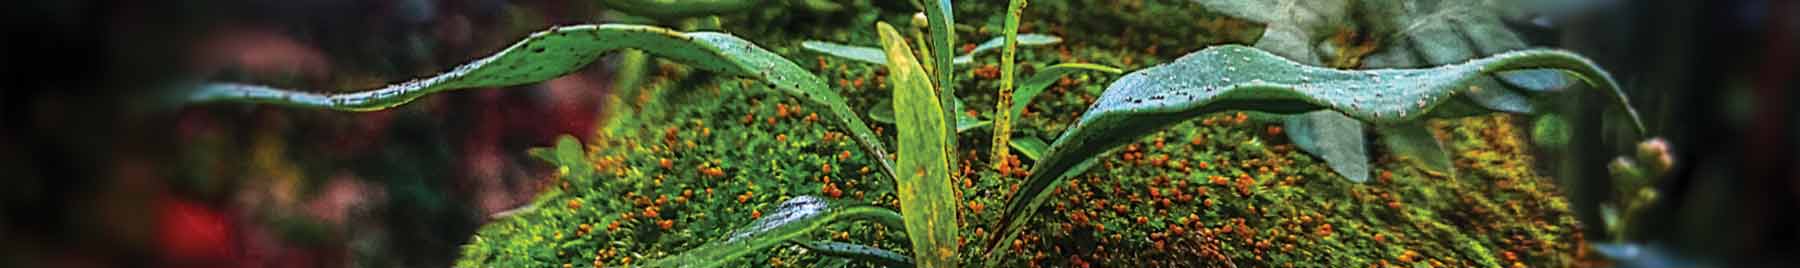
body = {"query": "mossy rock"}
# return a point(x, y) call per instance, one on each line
point(689, 156)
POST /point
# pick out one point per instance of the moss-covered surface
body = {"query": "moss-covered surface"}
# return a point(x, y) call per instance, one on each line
point(690, 156)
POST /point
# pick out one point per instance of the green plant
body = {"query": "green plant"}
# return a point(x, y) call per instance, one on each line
point(562, 50)
point(1634, 179)
point(925, 152)
point(1009, 43)
point(793, 218)
point(861, 252)
point(1028, 89)
point(1381, 34)
point(1256, 80)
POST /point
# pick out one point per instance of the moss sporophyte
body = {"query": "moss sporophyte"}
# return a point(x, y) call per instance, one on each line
point(767, 162)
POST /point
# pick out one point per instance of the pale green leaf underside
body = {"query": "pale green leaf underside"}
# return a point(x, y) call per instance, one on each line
point(864, 54)
point(563, 50)
point(792, 219)
point(1421, 35)
point(1334, 138)
point(875, 56)
point(1414, 143)
point(1234, 77)
point(927, 201)
point(877, 256)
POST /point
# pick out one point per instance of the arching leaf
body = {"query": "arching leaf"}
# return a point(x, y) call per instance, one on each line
point(1416, 34)
point(1490, 36)
point(563, 50)
point(792, 219)
point(1235, 77)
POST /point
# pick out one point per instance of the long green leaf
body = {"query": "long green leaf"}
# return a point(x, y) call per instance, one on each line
point(1234, 77)
point(858, 252)
point(874, 55)
point(563, 50)
point(926, 197)
point(942, 24)
point(792, 219)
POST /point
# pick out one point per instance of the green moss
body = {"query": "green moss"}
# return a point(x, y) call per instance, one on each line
point(1223, 191)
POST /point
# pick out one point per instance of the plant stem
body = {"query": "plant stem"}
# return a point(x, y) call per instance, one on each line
point(1002, 116)
point(921, 29)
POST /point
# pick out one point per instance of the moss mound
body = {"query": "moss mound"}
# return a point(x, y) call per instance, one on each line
point(688, 157)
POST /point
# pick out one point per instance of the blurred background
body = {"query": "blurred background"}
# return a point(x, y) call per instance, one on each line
point(101, 170)
point(102, 173)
